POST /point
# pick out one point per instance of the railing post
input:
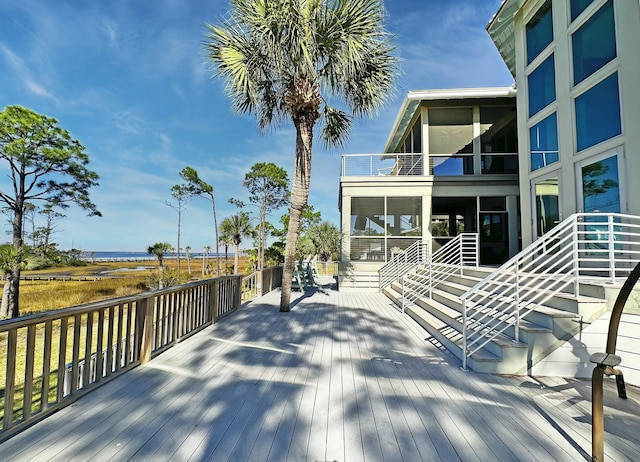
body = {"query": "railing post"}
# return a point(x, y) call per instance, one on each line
point(476, 243)
point(238, 293)
point(464, 334)
point(461, 253)
point(576, 259)
point(213, 301)
point(403, 295)
point(430, 285)
point(517, 305)
point(612, 253)
point(146, 340)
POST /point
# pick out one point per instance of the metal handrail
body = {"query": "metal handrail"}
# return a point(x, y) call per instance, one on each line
point(401, 263)
point(448, 260)
point(586, 245)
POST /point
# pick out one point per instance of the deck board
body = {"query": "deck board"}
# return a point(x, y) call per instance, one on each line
point(344, 377)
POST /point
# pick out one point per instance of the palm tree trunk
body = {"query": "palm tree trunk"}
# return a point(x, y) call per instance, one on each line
point(235, 262)
point(299, 196)
point(215, 225)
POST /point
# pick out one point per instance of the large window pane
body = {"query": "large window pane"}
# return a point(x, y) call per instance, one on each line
point(542, 86)
point(594, 44)
point(547, 210)
point(404, 216)
point(451, 166)
point(367, 216)
point(578, 6)
point(450, 131)
point(600, 187)
point(539, 31)
point(544, 142)
point(498, 164)
point(598, 113)
point(367, 249)
point(498, 130)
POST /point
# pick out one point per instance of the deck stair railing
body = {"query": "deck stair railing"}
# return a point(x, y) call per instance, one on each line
point(401, 263)
point(583, 247)
point(448, 260)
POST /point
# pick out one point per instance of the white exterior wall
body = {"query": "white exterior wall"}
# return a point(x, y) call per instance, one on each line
point(573, 358)
point(627, 64)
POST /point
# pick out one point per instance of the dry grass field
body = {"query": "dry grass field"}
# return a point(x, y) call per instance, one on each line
point(63, 287)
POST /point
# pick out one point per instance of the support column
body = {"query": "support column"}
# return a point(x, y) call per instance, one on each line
point(512, 223)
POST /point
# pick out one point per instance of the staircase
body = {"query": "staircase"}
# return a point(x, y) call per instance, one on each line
point(506, 320)
point(541, 331)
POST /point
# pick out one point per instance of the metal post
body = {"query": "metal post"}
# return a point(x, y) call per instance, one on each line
point(461, 255)
point(576, 260)
point(464, 334)
point(430, 275)
point(605, 363)
point(612, 253)
point(402, 294)
point(597, 414)
point(517, 324)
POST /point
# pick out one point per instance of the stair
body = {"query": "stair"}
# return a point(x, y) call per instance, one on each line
point(541, 331)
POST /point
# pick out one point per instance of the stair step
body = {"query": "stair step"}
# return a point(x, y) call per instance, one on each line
point(446, 335)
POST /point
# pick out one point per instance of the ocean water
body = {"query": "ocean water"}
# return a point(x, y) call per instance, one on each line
point(135, 256)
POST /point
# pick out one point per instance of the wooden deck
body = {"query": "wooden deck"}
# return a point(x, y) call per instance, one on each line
point(343, 377)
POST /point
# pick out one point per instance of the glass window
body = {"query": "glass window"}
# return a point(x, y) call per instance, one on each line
point(370, 249)
point(598, 113)
point(594, 44)
point(542, 86)
point(600, 188)
point(578, 6)
point(451, 165)
point(499, 164)
point(544, 142)
point(493, 204)
point(498, 130)
point(367, 216)
point(450, 131)
point(404, 216)
point(416, 135)
point(547, 209)
point(539, 31)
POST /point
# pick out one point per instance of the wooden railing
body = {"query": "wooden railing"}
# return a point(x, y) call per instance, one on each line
point(50, 359)
point(261, 282)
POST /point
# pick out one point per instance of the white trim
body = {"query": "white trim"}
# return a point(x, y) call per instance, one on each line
point(618, 152)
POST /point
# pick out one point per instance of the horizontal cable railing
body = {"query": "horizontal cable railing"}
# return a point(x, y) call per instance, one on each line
point(386, 164)
point(448, 260)
point(401, 263)
point(584, 246)
point(49, 359)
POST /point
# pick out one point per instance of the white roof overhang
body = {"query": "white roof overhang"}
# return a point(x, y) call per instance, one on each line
point(413, 99)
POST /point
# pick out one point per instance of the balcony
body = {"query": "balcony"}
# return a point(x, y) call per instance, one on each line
point(449, 165)
point(344, 376)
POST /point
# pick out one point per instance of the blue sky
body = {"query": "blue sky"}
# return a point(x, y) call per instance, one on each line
point(130, 81)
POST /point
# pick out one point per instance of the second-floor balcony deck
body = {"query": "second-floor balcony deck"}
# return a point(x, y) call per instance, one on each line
point(343, 376)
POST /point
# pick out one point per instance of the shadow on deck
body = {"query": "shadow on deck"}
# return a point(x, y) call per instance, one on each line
point(344, 377)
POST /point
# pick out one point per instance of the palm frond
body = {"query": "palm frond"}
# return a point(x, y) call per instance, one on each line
point(337, 125)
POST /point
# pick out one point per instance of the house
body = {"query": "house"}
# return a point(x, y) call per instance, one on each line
point(544, 172)
point(576, 67)
point(450, 166)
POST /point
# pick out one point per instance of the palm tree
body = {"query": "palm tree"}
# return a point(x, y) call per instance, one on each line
point(284, 59)
point(326, 238)
point(236, 227)
point(159, 249)
point(205, 259)
point(226, 240)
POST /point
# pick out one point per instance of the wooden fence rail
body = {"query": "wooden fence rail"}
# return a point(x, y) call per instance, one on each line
point(50, 359)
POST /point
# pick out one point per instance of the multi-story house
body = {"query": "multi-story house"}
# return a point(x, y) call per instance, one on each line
point(450, 166)
point(545, 171)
